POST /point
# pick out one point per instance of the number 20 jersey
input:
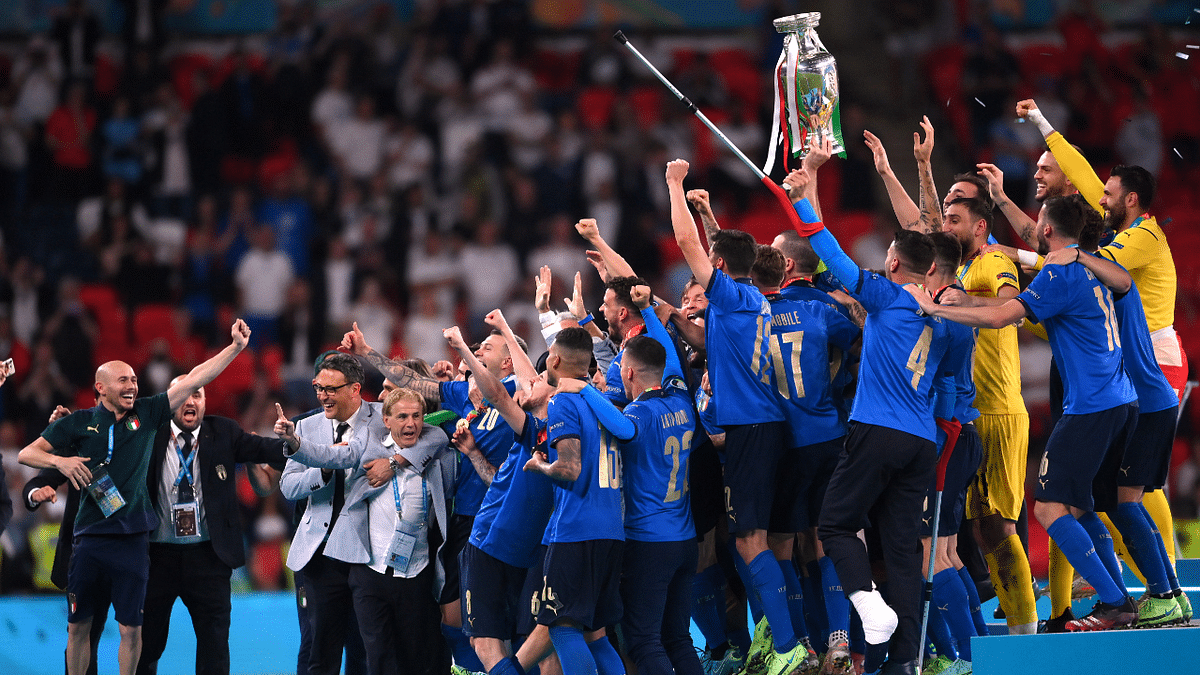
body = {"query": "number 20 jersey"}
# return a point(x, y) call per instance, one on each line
point(657, 506)
point(588, 507)
point(901, 353)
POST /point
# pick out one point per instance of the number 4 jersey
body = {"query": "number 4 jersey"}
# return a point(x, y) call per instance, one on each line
point(588, 507)
point(901, 353)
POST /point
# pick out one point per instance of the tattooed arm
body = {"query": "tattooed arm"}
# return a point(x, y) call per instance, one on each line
point(931, 207)
point(398, 374)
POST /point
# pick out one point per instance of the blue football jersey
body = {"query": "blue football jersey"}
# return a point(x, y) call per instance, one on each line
point(1081, 322)
point(657, 504)
point(737, 330)
point(614, 388)
point(846, 361)
point(513, 517)
point(959, 362)
point(1153, 391)
point(902, 352)
point(493, 437)
point(590, 506)
point(801, 336)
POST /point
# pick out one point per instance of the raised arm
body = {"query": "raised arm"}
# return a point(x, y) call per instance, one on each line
point(819, 151)
point(640, 295)
point(684, 226)
point(491, 387)
point(397, 373)
point(931, 207)
point(523, 368)
point(613, 262)
point(204, 373)
point(907, 213)
point(699, 200)
point(823, 243)
point(1073, 164)
point(1024, 226)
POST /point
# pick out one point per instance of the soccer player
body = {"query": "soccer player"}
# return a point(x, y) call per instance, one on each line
point(509, 525)
point(581, 593)
point(804, 337)
point(655, 433)
point(956, 615)
point(1100, 408)
point(996, 496)
point(890, 453)
point(737, 329)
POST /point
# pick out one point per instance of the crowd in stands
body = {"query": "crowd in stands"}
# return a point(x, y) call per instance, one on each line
point(371, 170)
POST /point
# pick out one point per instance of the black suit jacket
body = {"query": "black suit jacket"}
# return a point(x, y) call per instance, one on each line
point(222, 446)
point(66, 531)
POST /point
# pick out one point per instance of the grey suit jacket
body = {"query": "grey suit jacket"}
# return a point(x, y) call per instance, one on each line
point(303, 479)
point(439, 463)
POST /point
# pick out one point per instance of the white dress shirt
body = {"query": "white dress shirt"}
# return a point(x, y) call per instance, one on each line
point(167, 490)
point(381, 518)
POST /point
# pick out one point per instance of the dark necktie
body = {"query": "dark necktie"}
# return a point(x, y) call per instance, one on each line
point(339, 479)
point(185, 493)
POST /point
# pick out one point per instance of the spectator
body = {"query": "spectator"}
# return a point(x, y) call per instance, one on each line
point(44, 388)
point(76, 32)
point(28, 299)
point(487, 290)
point(69, 136)
point(333, 105)
point(243, 98)
point(562, 251)
point(233, 236)
point(498, 86)
point(93, 218)
point(206, 135)
point(410, 156)
point(424, 325)
point(71, 331)
point(15, 136)
point(170, 176)
point(286, 211)
point(301, 335)
point(990, 75)
point(262, 278)
point(339, 284)
point(121, 140)
point(37, 75)
point(1139, 138)
point(357, 143)
point(374, 313)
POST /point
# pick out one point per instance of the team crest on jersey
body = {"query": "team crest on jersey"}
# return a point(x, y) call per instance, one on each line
point(221, 471)
point(133, 423)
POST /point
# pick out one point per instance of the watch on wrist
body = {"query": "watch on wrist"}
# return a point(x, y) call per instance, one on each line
point(393, 464)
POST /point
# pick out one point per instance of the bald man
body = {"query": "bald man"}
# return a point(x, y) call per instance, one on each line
point(115, 518)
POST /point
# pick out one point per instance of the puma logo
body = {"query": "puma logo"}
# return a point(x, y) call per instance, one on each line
point(95, 429)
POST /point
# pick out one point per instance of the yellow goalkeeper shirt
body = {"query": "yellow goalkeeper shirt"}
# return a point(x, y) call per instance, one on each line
point(1141, 249)
point(997, 359)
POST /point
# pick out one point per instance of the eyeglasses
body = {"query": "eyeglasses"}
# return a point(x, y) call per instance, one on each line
point(329, 390)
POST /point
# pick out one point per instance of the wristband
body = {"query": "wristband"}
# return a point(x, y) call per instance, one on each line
point(1027, 258)
point(586, 320)
point(1040, 120)
point(547, 319)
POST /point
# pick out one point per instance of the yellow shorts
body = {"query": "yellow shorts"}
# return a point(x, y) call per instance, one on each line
point(999, 486)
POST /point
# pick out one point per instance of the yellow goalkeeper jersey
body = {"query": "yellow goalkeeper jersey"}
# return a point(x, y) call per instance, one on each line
point(997, 359)
point(1142, 248)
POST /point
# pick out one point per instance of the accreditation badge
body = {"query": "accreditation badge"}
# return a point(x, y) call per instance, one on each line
point(404, 542)
point(186, 517)
point(105, 492)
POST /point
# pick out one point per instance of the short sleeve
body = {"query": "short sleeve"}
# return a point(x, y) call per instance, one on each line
point(454, 397)
point(614, 387)
point(723, 292)
point(642, 418)
point(562, 419)
point(1046, 295)
point(876, 292)
point(1001, 271)
point(61, 434)
point(1135, 247)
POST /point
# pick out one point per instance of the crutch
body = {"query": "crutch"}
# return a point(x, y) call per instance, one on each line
point(952, 430)
point(780, 193)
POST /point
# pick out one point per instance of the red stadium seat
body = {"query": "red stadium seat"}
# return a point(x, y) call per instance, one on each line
point(595, 106)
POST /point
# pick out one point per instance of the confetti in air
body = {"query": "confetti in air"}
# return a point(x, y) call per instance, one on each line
point(947, 103)
point(979, 102)
point(1177, 154)
point(1193, 46)
point(1179, 54)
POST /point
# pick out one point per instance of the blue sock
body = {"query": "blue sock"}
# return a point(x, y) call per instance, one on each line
point(608, 661)
point(795, 598)
point(708, 605)
point(1077, 546)
point(1172, 580)
point(952, 601)
point(814, 605)
point(939, 635)
point(573, 652)
point(1102, 539)
point(973, 601)
point(1139, 539)
point(858, 642)
point(756, 610)
point(460, 644)
point(837, 607)
point(767, 579)
point(508, 666)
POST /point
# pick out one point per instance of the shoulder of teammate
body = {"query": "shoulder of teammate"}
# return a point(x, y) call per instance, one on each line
point(562, 417)
point(728, 295)
point(877, 292)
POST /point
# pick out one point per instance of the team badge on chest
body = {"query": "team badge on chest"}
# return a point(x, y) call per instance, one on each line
point(133, 423)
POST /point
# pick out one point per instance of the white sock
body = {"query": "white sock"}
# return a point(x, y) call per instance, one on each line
point(1023, 629)
point(878, 619)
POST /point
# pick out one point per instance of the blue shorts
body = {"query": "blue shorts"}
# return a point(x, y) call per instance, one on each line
point(491, 594)
point(108, 563)
point(582, 583)
point(1083, 456)
point(960, 471)
point(457, 536)
point(705, 487)
point(1149, 457)
point(752, 456)
point(815, 464)
point(531, 595)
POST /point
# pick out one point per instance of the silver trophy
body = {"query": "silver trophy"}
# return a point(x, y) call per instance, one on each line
point(806, 90)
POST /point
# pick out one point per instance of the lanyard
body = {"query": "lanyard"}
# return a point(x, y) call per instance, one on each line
point(185, 463)
point(110, 443)
point(396, 495)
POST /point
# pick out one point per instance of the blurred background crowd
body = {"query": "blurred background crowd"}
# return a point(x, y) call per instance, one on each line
point(166, 165)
